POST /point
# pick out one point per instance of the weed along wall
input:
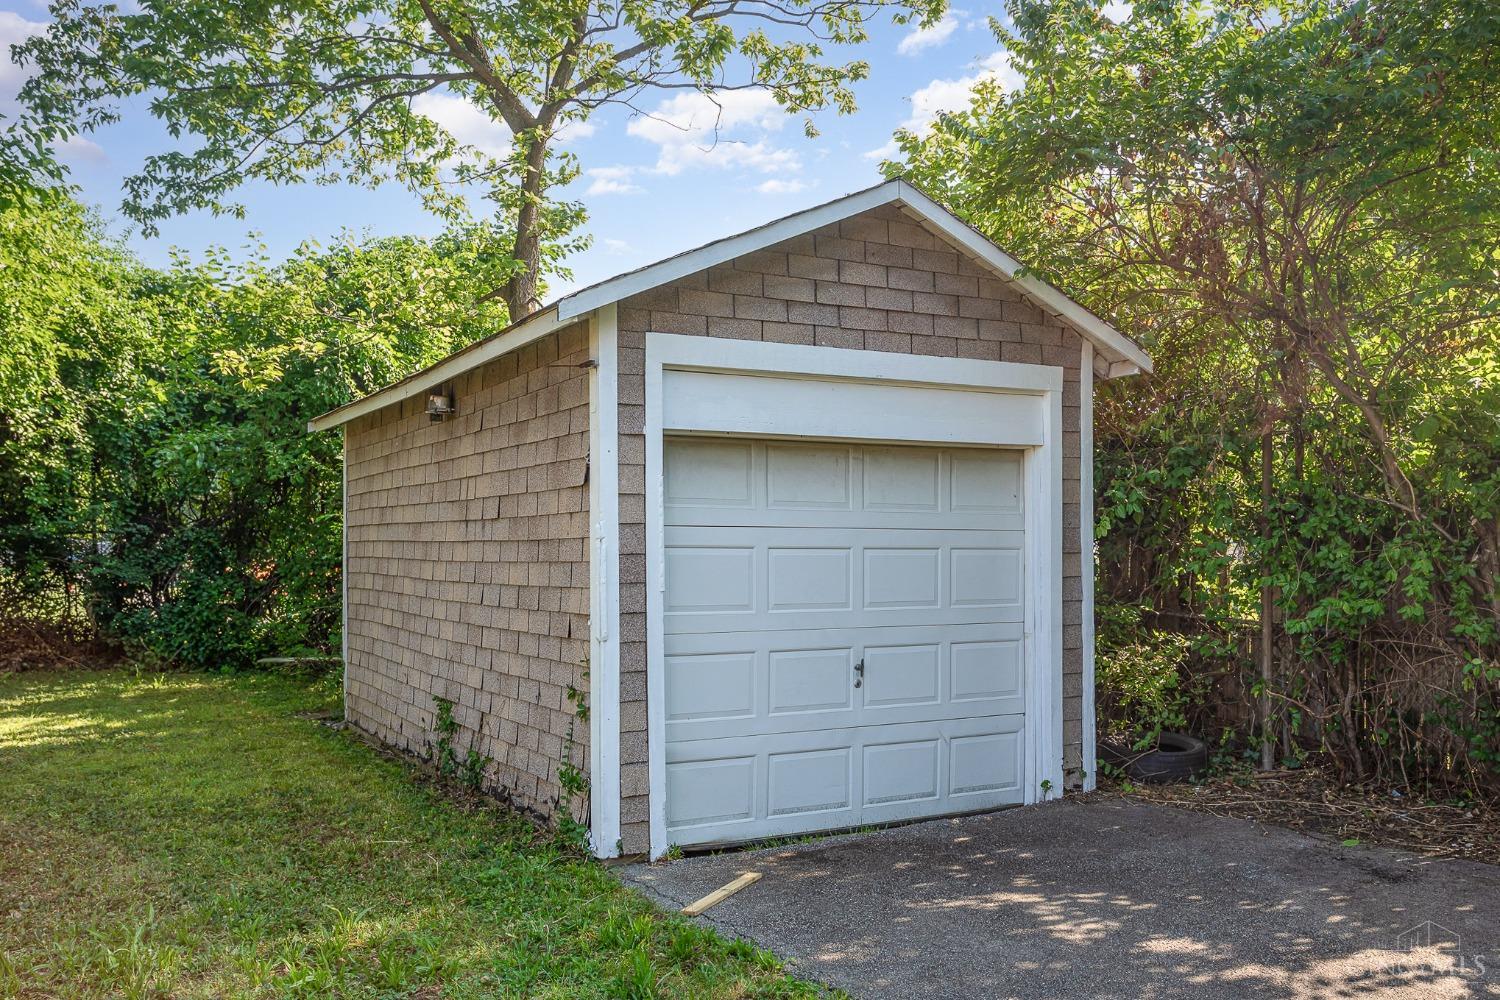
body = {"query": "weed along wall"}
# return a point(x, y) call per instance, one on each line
point(468, 574)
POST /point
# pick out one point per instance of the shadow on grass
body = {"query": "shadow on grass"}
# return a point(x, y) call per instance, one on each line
point(192, 835)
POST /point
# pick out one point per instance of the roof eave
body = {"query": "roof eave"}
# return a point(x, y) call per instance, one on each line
point(1124, 355)
point(1115, 344)
point(724, 250)
point(519, 334)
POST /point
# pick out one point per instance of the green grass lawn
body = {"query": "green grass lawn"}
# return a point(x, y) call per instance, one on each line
point(193, 836)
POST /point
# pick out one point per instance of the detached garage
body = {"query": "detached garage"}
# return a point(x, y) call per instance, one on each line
point(805, 512)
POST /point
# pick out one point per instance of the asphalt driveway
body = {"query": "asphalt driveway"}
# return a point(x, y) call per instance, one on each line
point(1102, 899)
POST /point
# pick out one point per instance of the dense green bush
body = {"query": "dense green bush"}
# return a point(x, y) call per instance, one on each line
point(1295, 206)
point(155, 464)
point(1143, 687)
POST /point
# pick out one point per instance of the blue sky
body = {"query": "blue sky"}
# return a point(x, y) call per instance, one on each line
point(653, 185)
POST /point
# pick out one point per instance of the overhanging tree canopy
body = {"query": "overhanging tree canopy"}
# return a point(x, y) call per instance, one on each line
point(1297, 206)
point(324, 90)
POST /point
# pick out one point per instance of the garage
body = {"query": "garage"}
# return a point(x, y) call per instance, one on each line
point(843, 634)
point(785, 534)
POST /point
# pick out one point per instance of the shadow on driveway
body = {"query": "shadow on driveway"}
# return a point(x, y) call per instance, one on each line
point(1106, 899)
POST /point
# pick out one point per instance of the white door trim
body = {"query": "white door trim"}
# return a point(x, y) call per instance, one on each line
point(344, 573)
point(827, 367)
point(1044, 555)
point(754, 357)
point(604, 584)
point(1086, 561)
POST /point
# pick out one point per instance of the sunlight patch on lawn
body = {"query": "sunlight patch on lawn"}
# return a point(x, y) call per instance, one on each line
point(200, 836)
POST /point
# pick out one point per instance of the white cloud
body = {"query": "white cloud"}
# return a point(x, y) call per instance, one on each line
point(14, 29)
point(80, 150)
point(728, 129)
point(778, 186)
point(617, 248)
point(575, 131)
point(611, 180)
point(465, 122)
point(928, 37)
point(940, 96)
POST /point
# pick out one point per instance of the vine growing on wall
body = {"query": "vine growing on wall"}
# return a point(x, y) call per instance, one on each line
point(468, 771)
point(572, 780)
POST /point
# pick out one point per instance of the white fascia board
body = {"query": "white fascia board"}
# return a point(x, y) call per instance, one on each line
point(534, 327)
point(725, 250)
point(1091, 326)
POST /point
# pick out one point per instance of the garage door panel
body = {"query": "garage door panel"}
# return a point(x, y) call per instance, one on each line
point(984, 480)
point(809, 680)
point(799, 681)
point(793, 783)
point(802, 477)
point(902, 479)
point(719, 481)
point(902, 578)
point(808, 579)
point(710, 687)
point(905, 771)
point(716, 792)
point(709, 473)
point(902, 676)
point(978, 766)
point(985, 577)
point(985, 670)
point(743, 578)
point(810, 781)
point(705, 579)
point(916, 617)
point(984, 764)
point(843, 635)
point(831, 779)
point(811, 517)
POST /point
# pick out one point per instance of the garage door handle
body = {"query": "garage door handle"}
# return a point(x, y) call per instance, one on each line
point(859, 670)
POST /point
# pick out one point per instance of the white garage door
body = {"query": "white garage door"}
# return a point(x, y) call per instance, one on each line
point(843, 635)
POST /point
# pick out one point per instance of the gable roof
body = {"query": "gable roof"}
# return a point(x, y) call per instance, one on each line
point(1125, 356)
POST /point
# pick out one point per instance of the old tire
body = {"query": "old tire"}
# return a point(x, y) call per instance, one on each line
point(1177, 757)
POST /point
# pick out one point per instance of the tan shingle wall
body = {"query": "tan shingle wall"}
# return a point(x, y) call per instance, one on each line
point(468, 569)
point(876, 282)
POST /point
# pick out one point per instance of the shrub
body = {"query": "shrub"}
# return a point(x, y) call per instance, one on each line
point(1142, 689)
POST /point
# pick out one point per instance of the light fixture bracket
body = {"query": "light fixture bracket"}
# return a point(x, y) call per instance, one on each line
point(440, 404)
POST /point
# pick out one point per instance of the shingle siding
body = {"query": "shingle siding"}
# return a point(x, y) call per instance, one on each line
point(877, 281)
point(468, 572)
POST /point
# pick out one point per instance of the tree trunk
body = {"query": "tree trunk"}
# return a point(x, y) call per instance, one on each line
point(521, 292)
point(1267, 610)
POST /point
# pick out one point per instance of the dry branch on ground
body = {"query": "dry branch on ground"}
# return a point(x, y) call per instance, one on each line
point(1310, 800)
